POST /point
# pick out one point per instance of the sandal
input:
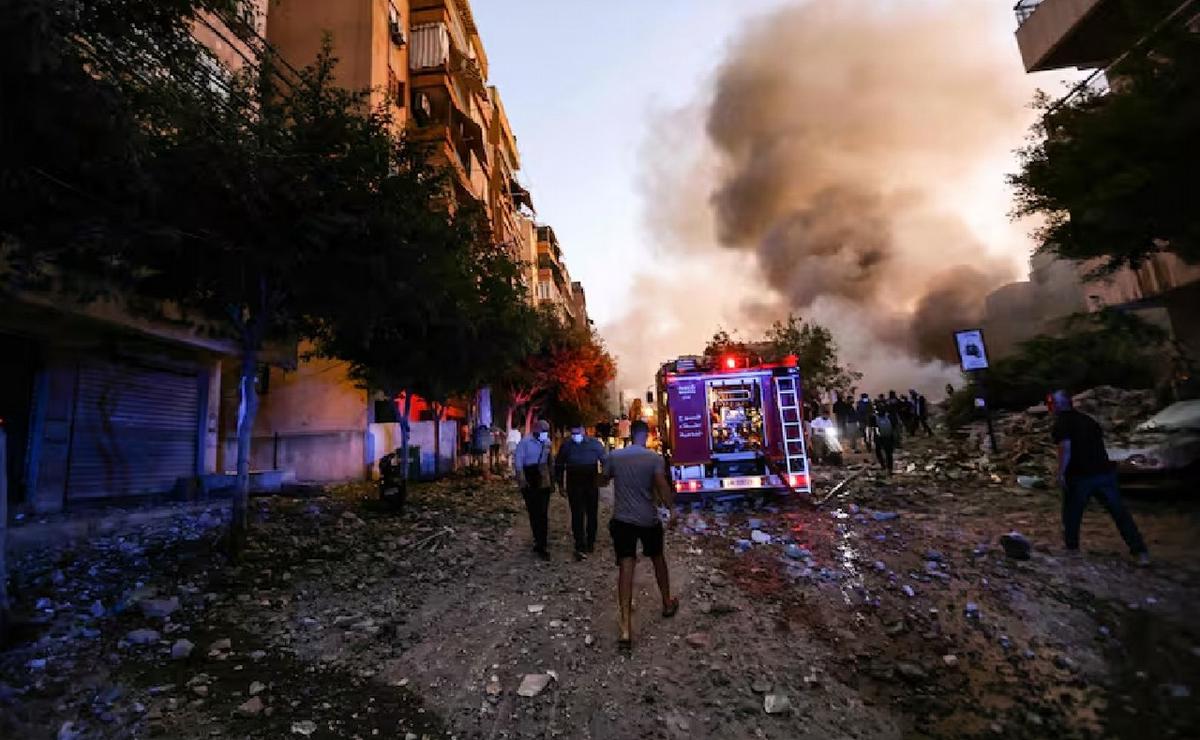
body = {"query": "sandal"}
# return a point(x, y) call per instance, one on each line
point(670, 609)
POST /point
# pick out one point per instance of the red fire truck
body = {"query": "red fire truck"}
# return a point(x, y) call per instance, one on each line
point(732, 424)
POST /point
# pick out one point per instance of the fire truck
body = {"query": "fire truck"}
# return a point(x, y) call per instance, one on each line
point(732, 424)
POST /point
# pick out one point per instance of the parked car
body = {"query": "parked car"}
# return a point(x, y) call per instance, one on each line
point(1163, 451)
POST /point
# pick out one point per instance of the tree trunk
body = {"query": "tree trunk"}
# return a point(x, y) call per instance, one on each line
point(3, 535)
point(530, 410)
point(247, 409)
point(437, 439)
point(404, 433)
point(508, 419)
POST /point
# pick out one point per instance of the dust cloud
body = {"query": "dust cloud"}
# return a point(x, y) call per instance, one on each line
point(853, 154)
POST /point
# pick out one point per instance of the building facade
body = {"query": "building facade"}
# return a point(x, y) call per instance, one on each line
point(101, 402)
point(1090, 35)
point(426, 59)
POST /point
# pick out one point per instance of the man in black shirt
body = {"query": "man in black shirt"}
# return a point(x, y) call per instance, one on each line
point(1084, 471)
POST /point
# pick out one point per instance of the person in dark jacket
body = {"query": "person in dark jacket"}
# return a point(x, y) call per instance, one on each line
point(893, 411)
point(577, 470)
point(862, 412)
point(921, 407)
point(1084, 472)
point(843, 413)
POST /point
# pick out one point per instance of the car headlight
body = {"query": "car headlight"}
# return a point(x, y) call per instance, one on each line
point(1145, 461)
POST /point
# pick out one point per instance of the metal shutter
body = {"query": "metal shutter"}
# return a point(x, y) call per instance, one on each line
point(135, 430)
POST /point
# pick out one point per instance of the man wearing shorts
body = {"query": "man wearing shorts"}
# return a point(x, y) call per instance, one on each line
point(639, 485)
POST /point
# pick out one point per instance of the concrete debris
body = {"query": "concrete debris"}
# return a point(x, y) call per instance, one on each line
point(533, 684)
point(144, 636)
point(181, 649)
point(159, 608)
point(777, 704)
point(1016, 546)
point(252, 707)
point(305, 727)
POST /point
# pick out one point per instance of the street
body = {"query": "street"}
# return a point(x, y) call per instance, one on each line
point(891, 612)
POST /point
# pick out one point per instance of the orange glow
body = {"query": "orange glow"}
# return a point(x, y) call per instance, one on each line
point(730, 363)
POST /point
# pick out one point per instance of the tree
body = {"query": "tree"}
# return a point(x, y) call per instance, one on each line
point(1111, 173)
point(565, 377)
point(816, 354)
point(3, 536)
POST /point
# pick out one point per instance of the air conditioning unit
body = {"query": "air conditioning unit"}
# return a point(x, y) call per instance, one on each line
point(396, 32)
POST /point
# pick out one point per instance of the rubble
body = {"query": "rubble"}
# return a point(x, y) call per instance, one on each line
point(1016, 546)
point(181, 649)
point(533, 684)
point(777, 704)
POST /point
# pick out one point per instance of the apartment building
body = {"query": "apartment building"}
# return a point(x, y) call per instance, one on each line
point(1090, 35)
point(99, 402)
point(427, 60)
point(554, 285)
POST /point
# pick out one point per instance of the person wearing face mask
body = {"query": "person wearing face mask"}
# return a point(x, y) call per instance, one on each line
point(531, 463)
point(577, 470)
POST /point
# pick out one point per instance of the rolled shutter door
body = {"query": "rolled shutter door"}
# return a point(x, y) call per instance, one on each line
point(136, 430)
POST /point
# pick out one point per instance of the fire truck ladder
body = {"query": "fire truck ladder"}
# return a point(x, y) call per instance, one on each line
point(787, 393)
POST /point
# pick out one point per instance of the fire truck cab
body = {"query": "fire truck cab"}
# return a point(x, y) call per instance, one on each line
point(732, 424)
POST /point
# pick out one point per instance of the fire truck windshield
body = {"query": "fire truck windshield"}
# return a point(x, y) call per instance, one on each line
point(735, 412)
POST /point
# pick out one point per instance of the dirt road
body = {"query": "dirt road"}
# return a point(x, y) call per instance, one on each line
point(890, 612)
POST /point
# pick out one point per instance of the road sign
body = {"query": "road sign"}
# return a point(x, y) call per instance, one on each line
point(972, 352)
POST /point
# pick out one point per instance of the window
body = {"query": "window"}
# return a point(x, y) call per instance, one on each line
point(543, 290)
point(395, 29)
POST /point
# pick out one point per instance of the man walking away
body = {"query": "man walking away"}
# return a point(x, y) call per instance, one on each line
point(863, 412)
point(922, 407)
point(843, 411)
point(639, 484)
point(885, 438)
point(577, 470)
point(1084, 471)
point(892, 409)
point(531, 462)
point(623, 431)
point(510, 447)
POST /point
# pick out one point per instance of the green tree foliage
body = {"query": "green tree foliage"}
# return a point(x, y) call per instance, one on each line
point(816, 352)
point(1104, 348)
point(564, 378)
point(1112, 174)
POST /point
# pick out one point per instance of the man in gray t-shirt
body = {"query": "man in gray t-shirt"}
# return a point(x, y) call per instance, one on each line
point(639, 485)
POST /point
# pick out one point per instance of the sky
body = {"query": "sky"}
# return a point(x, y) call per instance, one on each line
point(609, 103)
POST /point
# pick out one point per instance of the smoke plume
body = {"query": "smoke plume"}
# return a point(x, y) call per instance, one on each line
point(846, 143)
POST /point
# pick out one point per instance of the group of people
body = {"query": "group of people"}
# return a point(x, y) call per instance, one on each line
point(577, 470)
point(878, 423)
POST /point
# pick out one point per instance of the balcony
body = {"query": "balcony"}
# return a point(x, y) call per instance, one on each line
point(1055, 34)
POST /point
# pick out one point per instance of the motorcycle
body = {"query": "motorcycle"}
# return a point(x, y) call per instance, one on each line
point(393, 488)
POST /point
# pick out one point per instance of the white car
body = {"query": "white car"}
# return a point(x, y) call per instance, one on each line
point(1164, 450)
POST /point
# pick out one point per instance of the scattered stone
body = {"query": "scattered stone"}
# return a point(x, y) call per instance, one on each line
point(257, 687)
point(159, 608)
point(1031, 482)
point(776, 703)
point(760, 686)
point(795, 552)
point(884, 516)
point(950, 660)
point(908, 590)
point(97, 610)
point(68, 731)
point(911, 671)
point(533, 684)
point(699, 640)
point(971, 610)
point(1016, 546)
point(43, 604)
point(200, 690)
point(1063, 662)
point(144, 636)
point(182, 649)
point(304, 727)
point(589, 641)
point(536, 608)
point(760, 537)
point(1179, 691)
point(221, 645)
point(494, 690)
point(252, 707)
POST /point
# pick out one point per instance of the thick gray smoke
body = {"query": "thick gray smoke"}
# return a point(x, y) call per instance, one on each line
point(836, 125)
point(855, 155)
